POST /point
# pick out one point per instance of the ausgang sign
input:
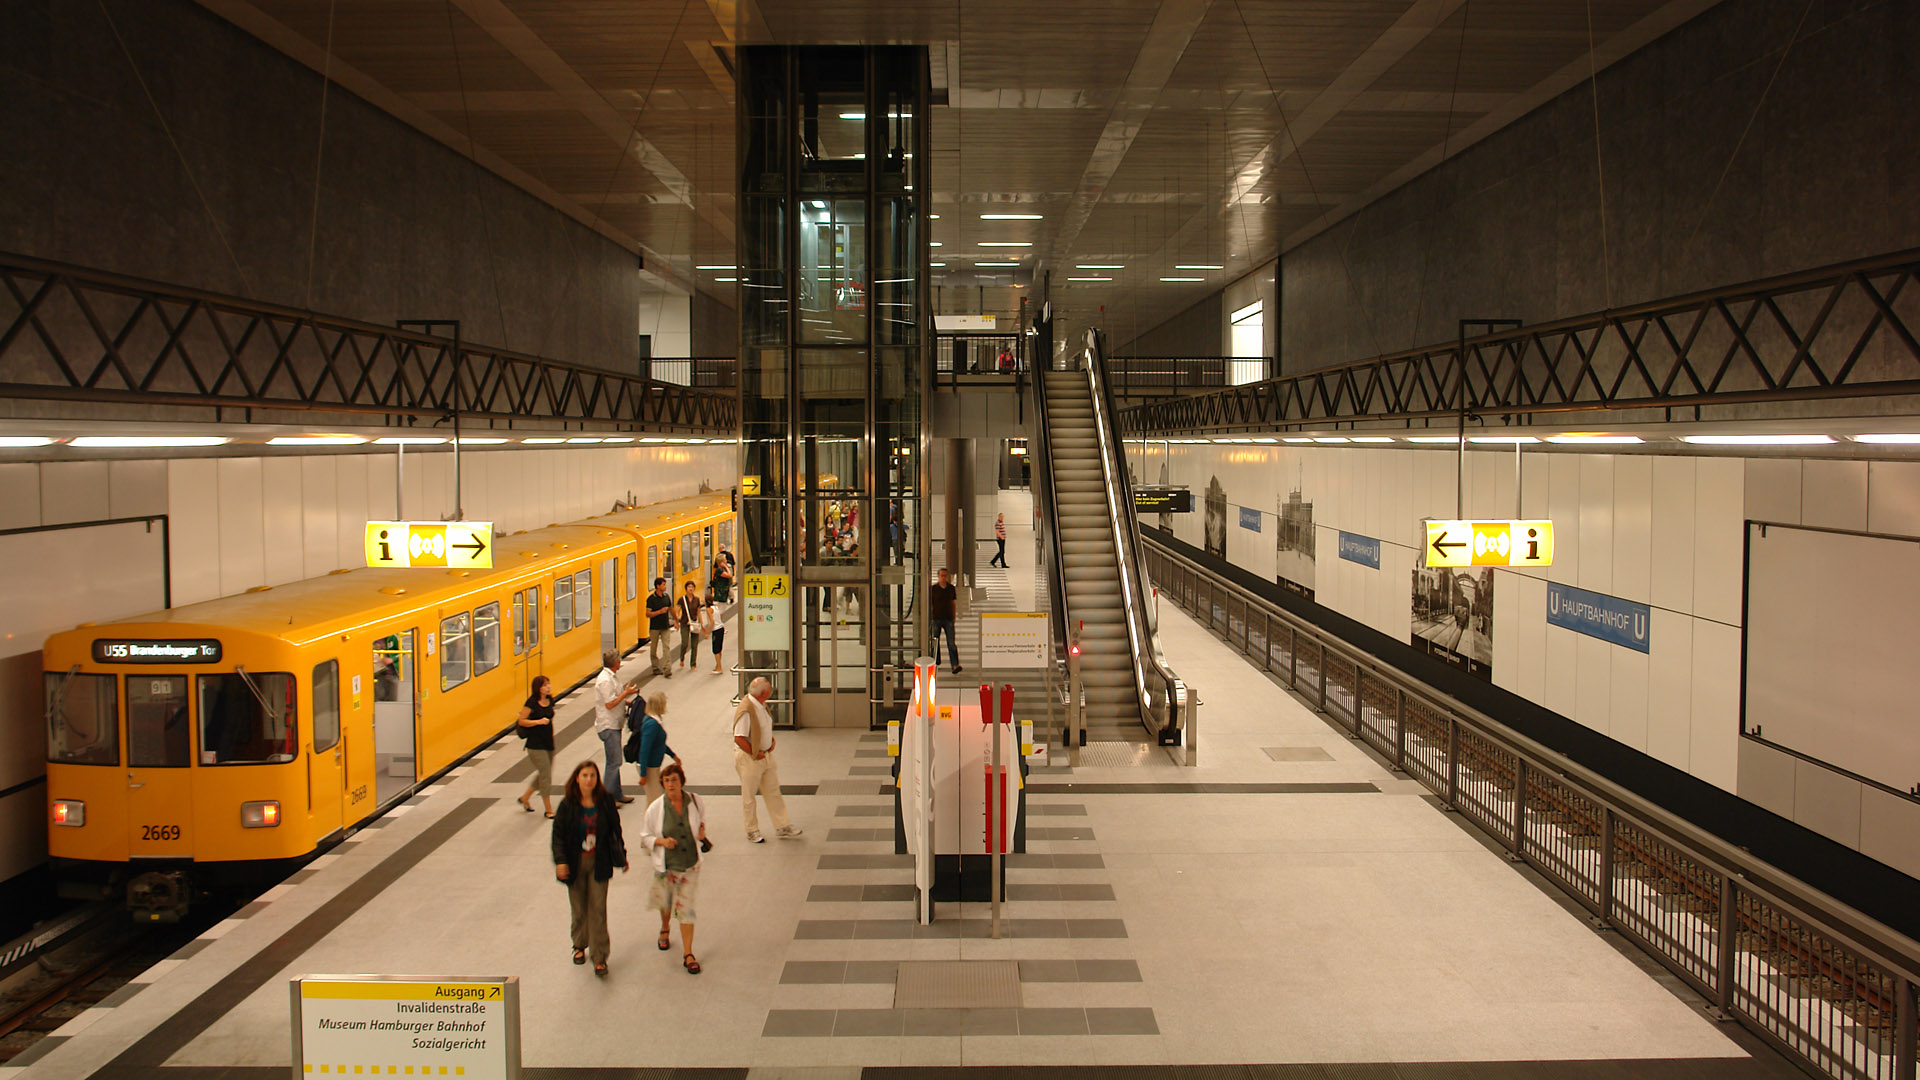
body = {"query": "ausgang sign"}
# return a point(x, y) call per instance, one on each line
point(387, 1025)
point(1489, 543)
point(456, 544)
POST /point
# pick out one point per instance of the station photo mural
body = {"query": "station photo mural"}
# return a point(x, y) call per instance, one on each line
point(1293, 542)
point(1216, 523)
point(1453, 617)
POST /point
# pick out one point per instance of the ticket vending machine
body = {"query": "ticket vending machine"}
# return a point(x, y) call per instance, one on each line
point(947, 790)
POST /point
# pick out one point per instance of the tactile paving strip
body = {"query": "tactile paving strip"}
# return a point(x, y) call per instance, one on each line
point(957, 984)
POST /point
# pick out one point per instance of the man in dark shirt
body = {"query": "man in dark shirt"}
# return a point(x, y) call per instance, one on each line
point(940, 604)
point(659, 624)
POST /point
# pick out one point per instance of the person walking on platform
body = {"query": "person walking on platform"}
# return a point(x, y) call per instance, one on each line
point(711, 625)
point(674, 830)
point(722, 581)
point(687, 614)
point(653, 745)
point(535, 725)
point(753, 760)
point(608, 696)
point(999, 537)
point(659, 621)
point(940, 605)
point(587, 845)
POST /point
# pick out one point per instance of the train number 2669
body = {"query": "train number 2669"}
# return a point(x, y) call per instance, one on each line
point(159, 832)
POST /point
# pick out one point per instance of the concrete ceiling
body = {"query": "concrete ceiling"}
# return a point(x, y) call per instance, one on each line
point(1148, 133)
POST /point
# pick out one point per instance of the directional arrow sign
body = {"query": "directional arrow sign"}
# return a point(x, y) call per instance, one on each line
point(454, 544)
point(1489, 543)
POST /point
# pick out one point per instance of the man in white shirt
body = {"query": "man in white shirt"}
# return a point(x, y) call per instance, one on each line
point(753, 760)
point(608, 696)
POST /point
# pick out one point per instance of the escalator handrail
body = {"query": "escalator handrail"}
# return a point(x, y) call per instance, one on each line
point(1142, 634)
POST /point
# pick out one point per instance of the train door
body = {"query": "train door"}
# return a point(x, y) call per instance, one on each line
point(159, 767)
point(526, 634)
point(326, 755)
point(394, 716)
point(706, 554)
point(609, 625)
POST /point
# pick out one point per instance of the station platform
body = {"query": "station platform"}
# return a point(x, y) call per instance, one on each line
point(1289, 907)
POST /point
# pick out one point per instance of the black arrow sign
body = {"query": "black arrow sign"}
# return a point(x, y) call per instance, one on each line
point(478, 544)
point(1439, 548)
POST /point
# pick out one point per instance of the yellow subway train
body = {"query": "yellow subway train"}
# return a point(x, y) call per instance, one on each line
point(227, 741)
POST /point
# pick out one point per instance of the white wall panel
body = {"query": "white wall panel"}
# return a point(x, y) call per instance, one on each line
point(1593, 664)
point(1669, 689)
point(1719, 538)
point(19, 496)
point(1596, 524)
point(1531, 640)
point(1773, 490)
point(1507, 603)
point(1632, 526)
point(1629, 698)
point(1670, 548)
point(74, 491)
point(1893, 497)
point(1501, 503)
point(1563, 504)
point(136, 488)
point(320, 516)
point(1396, 524)
point(193, 529)
point(1563, 670)
point(242, 544)
point(1714, 754)
point(281, 525)
point(1483, 483)
point(382, 490)
point(1835, 495)
point(1890, 830)
point(351, 507)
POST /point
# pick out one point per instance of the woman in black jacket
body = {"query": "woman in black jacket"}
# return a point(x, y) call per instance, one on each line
point(587, 845)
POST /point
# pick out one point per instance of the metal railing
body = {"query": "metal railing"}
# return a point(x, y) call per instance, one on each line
point(1841, 331)
point(1823, 982)
point(699, 372)
point(1163, 376)
point(68, 333)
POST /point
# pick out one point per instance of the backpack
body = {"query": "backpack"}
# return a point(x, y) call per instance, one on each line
point(636, 716)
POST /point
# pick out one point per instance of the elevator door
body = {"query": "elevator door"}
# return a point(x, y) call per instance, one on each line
point(833, 656)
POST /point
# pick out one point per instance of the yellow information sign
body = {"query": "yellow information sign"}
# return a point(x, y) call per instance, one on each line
point(749, 485)
point(455, 544)
point(774, 585)
point(1489, 543)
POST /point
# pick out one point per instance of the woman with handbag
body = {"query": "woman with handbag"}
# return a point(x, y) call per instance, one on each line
point(535, 725)
point(587, 845)
point(710, 625)
point(674, 830)
point(687, 614)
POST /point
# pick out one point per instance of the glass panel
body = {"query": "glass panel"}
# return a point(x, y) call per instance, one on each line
point(390, 668)
point(562, 604)
point(897, 87)
point(763, 284)
point(583, 598)
point(653, 566)
point(83, 719)
point(763, 100)
point(326, 705)
point(833, 112)
point(832, 272)
point(896, 274)
point(519, 623)
point(633, 590)
point(533, 617)
point(486, 638)
point(239, 726)
point(833, 640)
point(159, 733)
point(456, 651)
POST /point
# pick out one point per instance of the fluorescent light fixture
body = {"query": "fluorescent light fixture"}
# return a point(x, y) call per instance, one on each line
point(997, 264)
point(409, 440)
point(720, 279)
point(618, 438)
point(24, 440)
point(1892, 439)
point(655, 439)
point(1011, 217)
point(1183, 279)
point(935, 243)
point(1433, 438)
point(1331, 439)
point(1276, 440)
point(1372, 438)
point(1197, 266)
point(316, 440)
point(1099, 266)
point(541, 442)
point(127, 442)
point(933, 217)
point(936, 264)
point(1757, 440)
point(1294, 439)
point(1006, 243)
point(469, 440)
point(1089, 279)
point(816, 204)
point(587, 439)
point(1506, 440)
point(1575, 440)
point(716, 268)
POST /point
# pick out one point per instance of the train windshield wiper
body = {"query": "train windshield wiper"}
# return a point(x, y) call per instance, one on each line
point(57, 708)
point(266, 707)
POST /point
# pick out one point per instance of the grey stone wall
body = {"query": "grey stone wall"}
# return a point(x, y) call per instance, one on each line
point(713, 325)
point(1193, 332)
point(221, 197)
point(1511, 228)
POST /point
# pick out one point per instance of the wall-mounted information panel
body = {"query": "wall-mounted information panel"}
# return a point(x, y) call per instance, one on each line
point(1163, 500)
point(1489, 543)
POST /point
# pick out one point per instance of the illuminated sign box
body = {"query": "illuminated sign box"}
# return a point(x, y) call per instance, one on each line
point(1162, 500)
point(1489, 543)
point(146, 651)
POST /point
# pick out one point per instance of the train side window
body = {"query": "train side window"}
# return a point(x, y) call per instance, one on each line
point(326, 705)
point(159, 732)
point(533, 617)
point(486, 638)
point(653, 566)
point(583, 598)
point(519, 623)
point(633, 583)
point(83, 719)
point(562, 604)
point(666, 565)
point(247, 719)
point(456, 651)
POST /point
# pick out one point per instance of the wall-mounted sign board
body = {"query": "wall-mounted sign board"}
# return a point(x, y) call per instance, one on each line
point(404, 1025)
point(1489, 543)
point(1162, 500)
point(766, 611)
point(455, 544)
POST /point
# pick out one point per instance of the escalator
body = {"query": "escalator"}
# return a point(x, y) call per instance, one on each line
point(1098, 581)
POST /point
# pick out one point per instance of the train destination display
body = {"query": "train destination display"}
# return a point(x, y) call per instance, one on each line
point(406, 1025)
point(1163, 500)
point(151, 651)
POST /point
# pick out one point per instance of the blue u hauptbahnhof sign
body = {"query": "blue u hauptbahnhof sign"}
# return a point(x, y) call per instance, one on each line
point(1249, 519)
point(1598, 615)
point(1364, 550)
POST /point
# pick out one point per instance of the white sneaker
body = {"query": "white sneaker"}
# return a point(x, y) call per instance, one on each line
point(755, 838)
point(787, 833)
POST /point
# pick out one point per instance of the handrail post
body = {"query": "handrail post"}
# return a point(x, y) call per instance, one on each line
point(1359, 699)
point(1453, 763)
point(1908, 1019)
point(1399, 729)
point(1606, 867)
point(1518, 854)
point(1723, 961)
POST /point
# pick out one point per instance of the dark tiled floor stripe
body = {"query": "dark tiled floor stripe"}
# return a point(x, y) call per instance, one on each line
point(850, 972)
point(869, 862)
point(1056, 861)
point(870, 770)
point(47, 1045)
point(869, 1023)
point(720, 790)
point(862, 893)
point(871, 754)
point(1060, 891)
point(865, 810)
point(1203, 789)
point(1046, 832)
point(859, 834)
point(1041, 809)
point(175, 1032)
point(902, 929)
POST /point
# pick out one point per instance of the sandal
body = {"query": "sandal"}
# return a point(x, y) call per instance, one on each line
point(692, 965)
point(599, 971)
point(665, 942)
point(526, 805)
point(579, 956)
point(549, 813)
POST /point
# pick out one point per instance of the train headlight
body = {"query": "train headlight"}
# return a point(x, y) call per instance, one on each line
point(69, 812)
point(259, 815)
